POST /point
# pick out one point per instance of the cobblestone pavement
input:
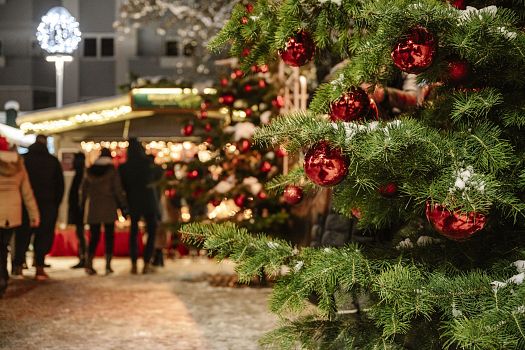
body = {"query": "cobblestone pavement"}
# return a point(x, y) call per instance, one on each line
point(123, 311)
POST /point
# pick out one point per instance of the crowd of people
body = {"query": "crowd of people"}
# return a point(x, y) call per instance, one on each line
point(32, 190)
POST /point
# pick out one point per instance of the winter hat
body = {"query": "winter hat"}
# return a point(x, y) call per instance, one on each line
point(4, 145)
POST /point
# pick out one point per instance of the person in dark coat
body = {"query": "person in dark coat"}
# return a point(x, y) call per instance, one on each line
point(101, 195)
point(47, 180)
point(137, 178)
point(75, 211)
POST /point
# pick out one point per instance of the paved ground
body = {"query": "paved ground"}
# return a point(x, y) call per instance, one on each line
point(123, 311)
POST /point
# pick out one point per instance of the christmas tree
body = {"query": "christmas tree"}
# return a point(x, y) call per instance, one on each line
point(418, 135)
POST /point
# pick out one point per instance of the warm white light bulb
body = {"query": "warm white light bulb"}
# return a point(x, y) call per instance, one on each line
point(59, 32)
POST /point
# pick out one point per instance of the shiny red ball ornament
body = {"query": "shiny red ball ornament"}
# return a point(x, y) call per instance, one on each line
point(265, 166)
point(245, 52)
point(262, 83)
point(169, 173)
point(455, 226)
point(299, 49)
point(353, 105)
point(238, 73)
point(203, 114)
point(293, 194)
point(278, 102)
point(249, 8)
point(458, 71)
point(170, 193)
point(325, 165)
point(224, 82)
point(227, 99)
point(239, 200)
point(248, 112)
point(187, 130)
point(388, 190)
point(415, 51)
point(215, 202)
point(248, 88)
point(244, 20)
point(262, 195)
point(244, 146)
point(192, 175)
point(281, 152)
point(208, 127)
point(459, 4)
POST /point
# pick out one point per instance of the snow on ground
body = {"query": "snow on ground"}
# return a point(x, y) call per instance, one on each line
point(123, 311)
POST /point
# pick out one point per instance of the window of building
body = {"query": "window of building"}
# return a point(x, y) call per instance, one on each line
point(172, 48)
point(107, 47)
point(90, 47)
point(99, 46)
point(189, 49)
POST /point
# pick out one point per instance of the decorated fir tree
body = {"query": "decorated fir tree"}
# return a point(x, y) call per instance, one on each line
point(434, 172)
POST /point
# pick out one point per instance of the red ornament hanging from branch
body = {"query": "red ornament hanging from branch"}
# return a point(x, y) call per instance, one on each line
point(227, 99)
point(388, 190)
point(459, 4)
point(187, 130)
point(265, 166)
point(415, 51)
point(458, 71)
point(299, 49)
point(353, 105)
point(455, 226)
point(325, 165)
point(192, 175)
point(240, 200)
point(293, 194)
point(244, 145)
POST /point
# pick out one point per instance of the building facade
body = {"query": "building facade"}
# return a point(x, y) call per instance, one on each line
point(105, 59)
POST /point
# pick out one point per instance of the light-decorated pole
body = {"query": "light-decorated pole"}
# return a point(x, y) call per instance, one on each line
point(59, 35)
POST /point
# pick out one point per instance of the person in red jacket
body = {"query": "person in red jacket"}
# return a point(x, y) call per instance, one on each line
point(14, 189)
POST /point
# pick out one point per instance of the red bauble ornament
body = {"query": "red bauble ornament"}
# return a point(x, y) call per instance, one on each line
point(244, 146)
point(245, 52)
point(388, 190)
point(192, 175)
point(227, 99)
point(254, 68)
point(458, 71)
point(239, 200)
point(351, 106)
point(238, 73)
point(170, 193)
point(248, 112)
point(325, 165)
point(415, 51)
point(265, 166)
point(208, 127)
point(262, 195)
point(262, 83)
point(249, 8)
point(187, 130)
point(293, 194)
point(278, 102)
point(169, 173)
point(247, 88)
point(244, 20)
point(299, 49)
point(459, 4)
point(224, 82)
point(281, 152)
point(215, 202)
point(452, 225)
point(203, 114)
point(205, 105)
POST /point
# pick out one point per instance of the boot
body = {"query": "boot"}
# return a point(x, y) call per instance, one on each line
point(89, 266)
point(148, 268)
point(41, 275)
point(109, 270)
point(17, 272)
point(81, 264)
point(134, 270)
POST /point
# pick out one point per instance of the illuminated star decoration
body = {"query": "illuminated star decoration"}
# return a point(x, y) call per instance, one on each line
point(58, 33)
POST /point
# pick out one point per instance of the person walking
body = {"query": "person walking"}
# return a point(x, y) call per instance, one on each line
point(75, 211)
point(137, 179)
point(14, 189)
point(101, 195)
point(47, 181)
